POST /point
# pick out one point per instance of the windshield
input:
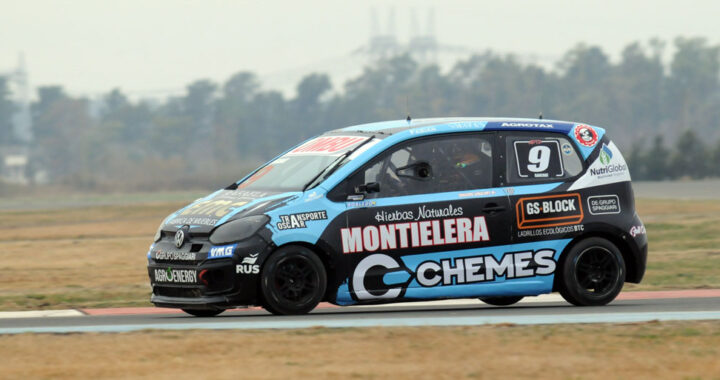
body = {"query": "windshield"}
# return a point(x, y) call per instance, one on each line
point(295, 169)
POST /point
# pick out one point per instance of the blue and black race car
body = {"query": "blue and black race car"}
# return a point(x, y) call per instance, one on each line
point(411, 210)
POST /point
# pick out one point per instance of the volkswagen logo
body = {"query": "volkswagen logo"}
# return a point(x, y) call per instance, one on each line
point(179, 238)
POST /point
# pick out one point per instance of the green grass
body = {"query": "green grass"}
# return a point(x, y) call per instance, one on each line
point(76, 299)
point(55, 267)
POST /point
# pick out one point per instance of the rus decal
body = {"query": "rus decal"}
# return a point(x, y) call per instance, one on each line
point(425, 233)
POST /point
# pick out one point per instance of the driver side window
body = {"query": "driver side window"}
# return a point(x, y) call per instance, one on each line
point(429, 165)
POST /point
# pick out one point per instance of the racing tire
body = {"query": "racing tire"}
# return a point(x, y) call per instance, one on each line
point(292, 281)
point(203, 312)
point(592, 273)
point(501, 301)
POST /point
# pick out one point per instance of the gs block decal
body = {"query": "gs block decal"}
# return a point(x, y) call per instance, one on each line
point(549, 211)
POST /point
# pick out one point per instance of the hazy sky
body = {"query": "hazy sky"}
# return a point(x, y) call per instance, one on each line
point(91, 46)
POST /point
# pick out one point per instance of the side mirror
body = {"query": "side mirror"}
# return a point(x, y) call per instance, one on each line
point(421, 171)
point(370, 187)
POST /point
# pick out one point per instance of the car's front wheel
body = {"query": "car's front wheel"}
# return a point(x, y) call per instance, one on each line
point(593, 273)
point(293, 281)
point(203, 313)
point(501, 301)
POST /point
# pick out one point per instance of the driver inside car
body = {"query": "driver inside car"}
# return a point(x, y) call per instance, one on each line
point(463, 165)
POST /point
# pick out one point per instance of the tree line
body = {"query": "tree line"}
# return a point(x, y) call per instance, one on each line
point(689, 157)
point(215, 132)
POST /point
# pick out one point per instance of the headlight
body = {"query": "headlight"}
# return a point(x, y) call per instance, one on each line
point(238, 229)
point(158, 234)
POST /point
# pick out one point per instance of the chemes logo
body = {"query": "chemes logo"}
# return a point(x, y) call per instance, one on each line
point(605, 155)
point(414, 234)
point(178, 276)
point(549, 211)
point(586, 135)
point(288, 222)
point(448, 271)
point(483, 268)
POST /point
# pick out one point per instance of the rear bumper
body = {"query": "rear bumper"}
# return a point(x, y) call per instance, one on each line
point(639, 246)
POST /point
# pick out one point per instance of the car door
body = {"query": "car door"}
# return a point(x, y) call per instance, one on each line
point(419, 216)
point(538, 168)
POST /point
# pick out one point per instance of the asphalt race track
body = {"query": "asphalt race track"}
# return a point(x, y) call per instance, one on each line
point(549, 309)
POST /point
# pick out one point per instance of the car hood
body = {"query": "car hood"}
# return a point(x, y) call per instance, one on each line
point(204, 214)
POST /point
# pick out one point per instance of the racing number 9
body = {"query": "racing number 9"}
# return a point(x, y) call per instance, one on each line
point(539, 159)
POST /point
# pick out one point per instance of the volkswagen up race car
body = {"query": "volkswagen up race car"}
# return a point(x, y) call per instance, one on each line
point(411, 210)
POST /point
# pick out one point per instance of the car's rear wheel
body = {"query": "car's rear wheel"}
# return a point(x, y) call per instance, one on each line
point(593, 273)
point(293, 281)
point(203, 313)
point(501, 301)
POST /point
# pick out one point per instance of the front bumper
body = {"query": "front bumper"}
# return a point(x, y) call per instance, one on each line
point(193, 280)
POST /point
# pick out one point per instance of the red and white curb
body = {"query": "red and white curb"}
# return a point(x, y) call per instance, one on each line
point(544, 298)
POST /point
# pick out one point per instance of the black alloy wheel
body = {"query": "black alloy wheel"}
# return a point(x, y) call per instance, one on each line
point(501, 301)
point(293, 281)
point(593, 273)
point(203, 312)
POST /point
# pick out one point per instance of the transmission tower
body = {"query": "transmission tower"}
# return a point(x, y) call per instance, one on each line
point(423, 45)
point(382, 44)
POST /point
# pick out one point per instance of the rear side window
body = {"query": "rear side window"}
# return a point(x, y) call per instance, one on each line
point(533, 157)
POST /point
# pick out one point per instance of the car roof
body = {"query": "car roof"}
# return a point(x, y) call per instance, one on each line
point(489, 124)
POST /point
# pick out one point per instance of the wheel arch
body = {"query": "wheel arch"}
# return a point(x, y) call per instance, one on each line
point(324, 256)
point(631, 268)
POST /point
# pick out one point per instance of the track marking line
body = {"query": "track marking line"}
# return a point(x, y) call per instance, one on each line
point(40, 314)
point(301, 323)
point(553, 297)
